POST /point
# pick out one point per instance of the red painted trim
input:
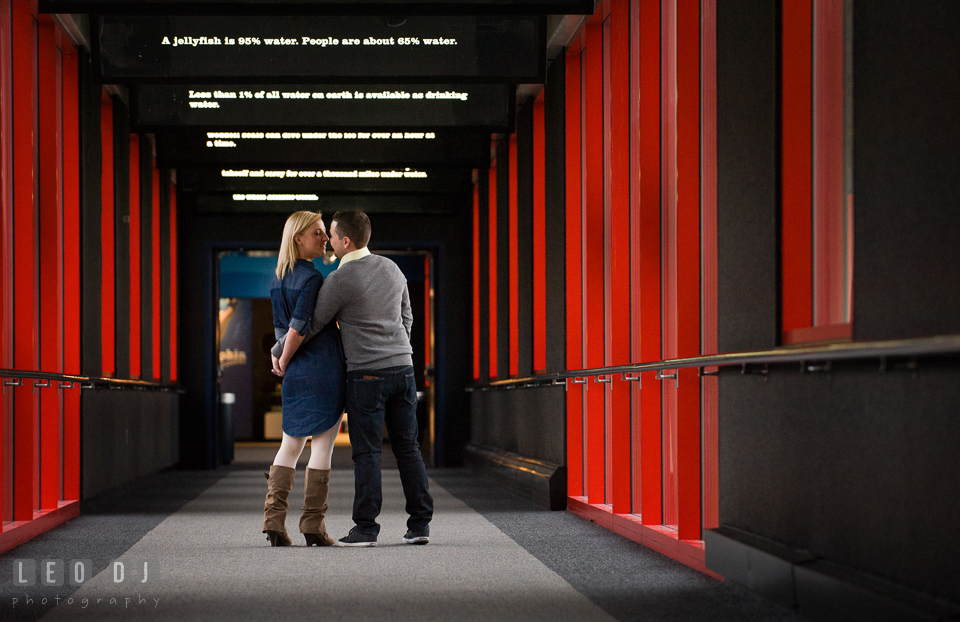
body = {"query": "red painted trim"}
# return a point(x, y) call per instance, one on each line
point(476, 280)
point(51, 262)
point(71, 273)
point(833, 332)
point(708, 259)
point(155, 264)
point(173, 287)
point(514, 300)
point(649, 257)
point(620, 246)
point(797, 182)
point(609, 435)
point(661, 539)
point(539, 239)
point(594, 255)
point(574, 263)
point(492, 267)
point(26, 339)
point(15, 534)
point(688, 265)
point(135, 251)
point(107, 242)
point(829, 280)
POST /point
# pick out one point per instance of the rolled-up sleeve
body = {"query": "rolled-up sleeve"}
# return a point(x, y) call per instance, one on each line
point(306, 301)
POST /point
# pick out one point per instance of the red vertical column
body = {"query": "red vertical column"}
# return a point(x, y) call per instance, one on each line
point(6, 262)
point(155, 264)
point(829, 266)
point(492, 267)
point(173, 287)
point(107, 259)
point(26, 350)
point(71, 272)
point(476, 280)
point(708, 259)
point(648, 258)
point(796, 174)
point(514, 266)
point(539, 240)
point(620, 245)
point(51, 261)
point(573, 258)
point(135, 256)
point(688, 266)
point(594, 254)
point(636, 474)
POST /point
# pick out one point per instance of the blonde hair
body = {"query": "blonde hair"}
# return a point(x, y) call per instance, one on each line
point(296, 224)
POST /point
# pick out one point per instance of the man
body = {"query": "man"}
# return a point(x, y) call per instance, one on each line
point(368, 296)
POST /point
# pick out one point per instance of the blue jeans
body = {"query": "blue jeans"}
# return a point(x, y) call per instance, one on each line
point(375, 397)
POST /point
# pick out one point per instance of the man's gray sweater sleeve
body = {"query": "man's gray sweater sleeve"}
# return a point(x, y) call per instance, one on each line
point(406, 312)
point(328, 303)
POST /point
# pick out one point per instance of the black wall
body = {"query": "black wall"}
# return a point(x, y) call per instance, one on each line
point(855, 465)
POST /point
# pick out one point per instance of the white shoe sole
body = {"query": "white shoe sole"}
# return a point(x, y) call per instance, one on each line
point(356, 543)
point(418, 540)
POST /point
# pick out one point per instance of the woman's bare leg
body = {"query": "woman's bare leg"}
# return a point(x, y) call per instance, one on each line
point(321, 447)
point(290, 449)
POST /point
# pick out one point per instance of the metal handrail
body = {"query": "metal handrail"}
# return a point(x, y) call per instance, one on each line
point(67, 381)
point(943, 345)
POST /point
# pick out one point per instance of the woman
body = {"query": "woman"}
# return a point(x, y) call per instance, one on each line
point(313, 383)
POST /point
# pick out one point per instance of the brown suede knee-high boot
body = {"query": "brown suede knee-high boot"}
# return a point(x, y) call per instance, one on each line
point(315, 491)
point(279, 484)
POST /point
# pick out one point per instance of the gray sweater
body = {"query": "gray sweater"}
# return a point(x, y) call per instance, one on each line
point(370, 300)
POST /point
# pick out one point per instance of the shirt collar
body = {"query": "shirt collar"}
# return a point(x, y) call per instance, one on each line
point(357, 254)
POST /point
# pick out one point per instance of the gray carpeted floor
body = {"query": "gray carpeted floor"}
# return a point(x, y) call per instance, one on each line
point(494, 555)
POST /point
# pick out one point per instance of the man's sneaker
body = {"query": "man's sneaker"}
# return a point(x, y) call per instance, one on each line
point(355, 538)
point(417, 536)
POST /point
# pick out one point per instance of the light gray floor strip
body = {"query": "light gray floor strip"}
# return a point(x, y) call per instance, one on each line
point(209, 561)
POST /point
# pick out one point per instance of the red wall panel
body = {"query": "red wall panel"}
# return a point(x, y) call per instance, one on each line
point(476, 281)
point(492, 267)
point(173, 287)
point(649, 255)
point(155, 264)
point(6, 262)
point(688, 264)
point(51, 262)
point(107, 242)
point(26, 350)
point(135, 256)
point(620, 246)
point(71, 273)
point(514, 268)
point(594, 256)
point(797, 182)
point(573, 257)
point(539, 240)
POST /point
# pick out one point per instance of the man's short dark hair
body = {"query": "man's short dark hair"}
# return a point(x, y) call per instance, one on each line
point(354, 225)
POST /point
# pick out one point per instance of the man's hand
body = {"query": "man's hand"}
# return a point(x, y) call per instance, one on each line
point(277, 371)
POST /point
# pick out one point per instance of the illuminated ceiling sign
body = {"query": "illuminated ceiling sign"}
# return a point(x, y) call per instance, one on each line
point(251, 180)
point(318, 7)
point(350, 147)
point(179, 49)
point(248, 107)
point(229, 140)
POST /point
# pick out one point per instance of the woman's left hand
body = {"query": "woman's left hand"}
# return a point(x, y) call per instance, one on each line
point(277, 369)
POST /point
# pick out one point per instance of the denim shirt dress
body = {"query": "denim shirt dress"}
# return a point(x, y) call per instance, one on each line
point(315, 381)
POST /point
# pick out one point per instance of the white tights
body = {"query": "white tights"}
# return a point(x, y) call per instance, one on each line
point(321, 449)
